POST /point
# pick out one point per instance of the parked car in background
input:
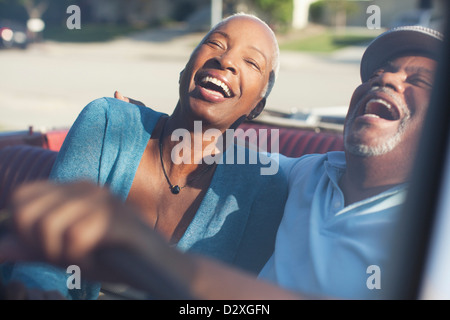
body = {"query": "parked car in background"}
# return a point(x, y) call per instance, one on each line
point(13, 34)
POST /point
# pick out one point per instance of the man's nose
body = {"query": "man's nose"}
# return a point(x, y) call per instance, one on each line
point(391, 79)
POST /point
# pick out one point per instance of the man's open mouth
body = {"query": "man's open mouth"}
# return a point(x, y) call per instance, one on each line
point(380, 108)
point(215, 85)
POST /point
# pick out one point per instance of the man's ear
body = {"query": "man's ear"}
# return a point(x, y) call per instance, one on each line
point(257, 110)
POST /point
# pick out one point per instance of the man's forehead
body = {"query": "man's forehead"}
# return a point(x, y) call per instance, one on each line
point(413, 61)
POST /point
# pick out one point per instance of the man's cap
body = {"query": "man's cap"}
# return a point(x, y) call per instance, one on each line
point(398, 41)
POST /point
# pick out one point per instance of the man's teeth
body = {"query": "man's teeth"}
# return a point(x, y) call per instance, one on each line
point(380, 101)
point(218, 83)
point(373, 109)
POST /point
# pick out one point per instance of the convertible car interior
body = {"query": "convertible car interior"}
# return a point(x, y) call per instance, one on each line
point(29, 155)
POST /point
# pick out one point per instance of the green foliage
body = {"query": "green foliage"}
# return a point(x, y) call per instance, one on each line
point(183, 10)
point(51, 10)
point(317, 9)
point(342, 5)
point(325, 42)
point(279, 11)
point(88, 32)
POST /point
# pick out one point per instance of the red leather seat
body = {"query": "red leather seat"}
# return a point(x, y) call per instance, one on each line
point(22, 163)
point(293, 142)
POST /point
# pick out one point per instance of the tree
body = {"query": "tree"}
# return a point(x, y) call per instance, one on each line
point(275, 12)
point(35, 8)
point(341, 9)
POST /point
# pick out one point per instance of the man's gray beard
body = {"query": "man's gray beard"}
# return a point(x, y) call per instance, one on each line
point(363, 150)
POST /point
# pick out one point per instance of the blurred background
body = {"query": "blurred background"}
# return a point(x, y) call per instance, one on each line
point(53, 61)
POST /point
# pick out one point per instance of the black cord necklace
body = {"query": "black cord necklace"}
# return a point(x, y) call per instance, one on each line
point(175, 189)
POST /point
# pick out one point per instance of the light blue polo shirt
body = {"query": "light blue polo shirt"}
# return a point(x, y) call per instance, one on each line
point(325, 248)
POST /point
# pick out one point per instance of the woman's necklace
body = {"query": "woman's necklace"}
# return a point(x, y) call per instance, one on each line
point(175, 189)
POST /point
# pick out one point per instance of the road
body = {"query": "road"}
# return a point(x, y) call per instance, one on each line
point(47, 85)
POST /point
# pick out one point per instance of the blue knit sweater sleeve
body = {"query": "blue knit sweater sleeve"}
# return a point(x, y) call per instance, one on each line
point(105, 144)
point(79, 157)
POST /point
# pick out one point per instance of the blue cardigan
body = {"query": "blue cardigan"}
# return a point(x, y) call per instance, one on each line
point(236, 222)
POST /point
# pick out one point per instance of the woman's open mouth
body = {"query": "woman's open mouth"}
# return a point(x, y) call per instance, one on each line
point(216, 86)
point(213, 87)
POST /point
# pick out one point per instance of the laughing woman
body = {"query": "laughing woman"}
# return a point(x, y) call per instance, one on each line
point(222, 209)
